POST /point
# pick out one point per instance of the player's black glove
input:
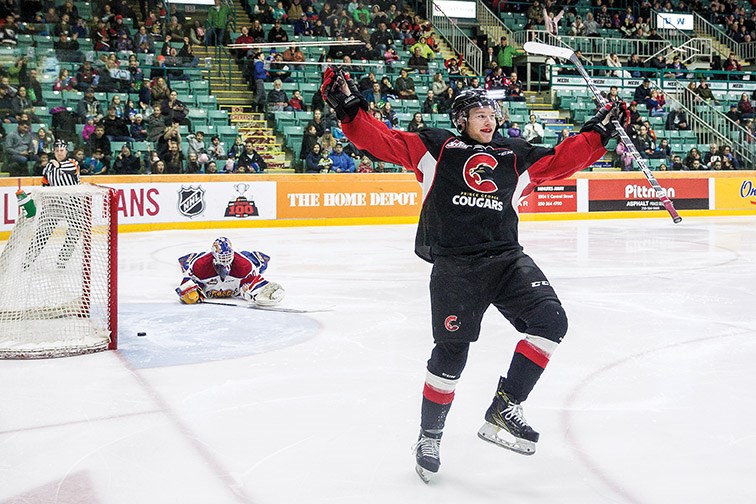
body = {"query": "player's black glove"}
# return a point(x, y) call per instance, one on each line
point(341, 93)
point(602, 122)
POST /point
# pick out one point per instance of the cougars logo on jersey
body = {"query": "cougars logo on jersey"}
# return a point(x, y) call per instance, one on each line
point(478, 173)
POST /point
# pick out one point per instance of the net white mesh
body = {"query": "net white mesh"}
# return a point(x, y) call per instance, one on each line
point(57, 295)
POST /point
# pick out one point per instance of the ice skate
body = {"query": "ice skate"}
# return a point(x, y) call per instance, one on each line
point(427, 455)
point(506, 426)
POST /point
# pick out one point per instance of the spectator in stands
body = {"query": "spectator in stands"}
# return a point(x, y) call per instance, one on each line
point(137, 128)
point(142, 39)
point(216, 151)
point(118, 105)
point(663, 150)
point(186, 56)
point(405, 86)
point(94, 164)
point(417, 61)
point(704, 92)
point(733, 113)
point(196, 145)
point(33, 87)
point(192, 163)
point(693, 155)
point(342, 162)
point(43, 141)
point(577, 27)
point(679, 70)
point(296, 102)
point(277, 97)
point(9, 32)
point(317, 121)
point(279, 12)
point(155, 125)
point(100, 141)
point(64, 82)
point(592, 27)
point(387, 89)
point(676, 120)
point(174, 159)
point(279, 69)
point(126, 163)
point(250, 160)
point(21, 104)
point(389, 113)
point(309, 139)
point(312, 159)
point(634, 64)
point(745, 107)
point(175, 110)
point(644, 143)
point(453, 66)
point(533, 131)
point(496, 79)
point(212, 167)
point(259, 74)
point(416, 123)
point(514, 131)
point(505, 54)
point(277, 34)
point(676, 163)
point(170, 135)
point(373, 95)
point(713, 155)
point(430, 105)
point(642, 92)
point(67, 48)
point(446, 100)
point(86, 76)
point(293, 54)
point(733, 65)
point(116, 128)
point(19, 150)
point(88, 129)
point(158, 167)
point(439, 86)
point(264, 12)
point(217, 20)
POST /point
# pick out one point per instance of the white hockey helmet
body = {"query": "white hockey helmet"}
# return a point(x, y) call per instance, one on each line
point(223, 252)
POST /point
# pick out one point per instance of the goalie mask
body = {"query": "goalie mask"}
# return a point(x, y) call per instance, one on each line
point(223, 256)
point(468, 100)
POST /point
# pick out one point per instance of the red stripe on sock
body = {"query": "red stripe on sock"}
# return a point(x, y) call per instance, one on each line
point(437, 396)
point(532, 353)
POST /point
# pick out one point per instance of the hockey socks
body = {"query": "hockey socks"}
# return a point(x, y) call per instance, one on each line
point(438, 394)
point(530, 358)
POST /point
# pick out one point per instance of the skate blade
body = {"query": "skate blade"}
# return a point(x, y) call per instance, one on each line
point(493, 434)
point(424, 474)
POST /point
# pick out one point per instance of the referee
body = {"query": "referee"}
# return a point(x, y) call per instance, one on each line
point(61, 170)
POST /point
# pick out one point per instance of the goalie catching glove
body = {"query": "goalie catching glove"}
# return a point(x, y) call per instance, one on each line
point(603, 121)
point(341, 93)
point(189, 292)
point(268, 295)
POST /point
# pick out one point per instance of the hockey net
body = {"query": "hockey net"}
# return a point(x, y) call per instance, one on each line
point(58, 272)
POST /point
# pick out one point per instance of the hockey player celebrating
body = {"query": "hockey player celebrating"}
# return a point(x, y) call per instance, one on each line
point(224, 273)
point(468, 229)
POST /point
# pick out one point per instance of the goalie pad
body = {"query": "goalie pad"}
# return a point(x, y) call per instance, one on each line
point(267, 295)
point(189, 292)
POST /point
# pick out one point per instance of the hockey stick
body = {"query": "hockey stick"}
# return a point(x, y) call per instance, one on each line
point(568, 54)
point(267, 308)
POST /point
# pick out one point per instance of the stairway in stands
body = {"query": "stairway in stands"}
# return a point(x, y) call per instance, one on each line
point(232, 94)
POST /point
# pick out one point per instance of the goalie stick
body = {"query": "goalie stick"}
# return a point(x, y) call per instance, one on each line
point(568, 54)
point(281, 309)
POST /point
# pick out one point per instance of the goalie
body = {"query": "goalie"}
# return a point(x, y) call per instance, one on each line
point(224, 273)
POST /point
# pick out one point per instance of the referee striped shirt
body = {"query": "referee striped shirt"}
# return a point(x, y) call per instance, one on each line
point(66, 174)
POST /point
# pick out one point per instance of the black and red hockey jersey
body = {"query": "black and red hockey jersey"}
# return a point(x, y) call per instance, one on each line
point(471, 190)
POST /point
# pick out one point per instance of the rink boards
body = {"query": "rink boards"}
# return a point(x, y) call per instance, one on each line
point(216, 201)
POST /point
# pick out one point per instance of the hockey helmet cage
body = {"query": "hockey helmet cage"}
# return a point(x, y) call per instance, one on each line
point(223, 252)
point(468, 100)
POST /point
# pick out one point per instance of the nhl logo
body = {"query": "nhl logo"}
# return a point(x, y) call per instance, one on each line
point(191, 202)
point(241, 206)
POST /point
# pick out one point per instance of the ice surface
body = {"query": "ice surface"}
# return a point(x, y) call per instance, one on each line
point(649, 399)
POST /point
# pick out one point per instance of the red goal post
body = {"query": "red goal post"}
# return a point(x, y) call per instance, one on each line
point(59, 275)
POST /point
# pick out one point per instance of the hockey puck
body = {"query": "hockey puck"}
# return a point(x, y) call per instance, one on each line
point(141, 334)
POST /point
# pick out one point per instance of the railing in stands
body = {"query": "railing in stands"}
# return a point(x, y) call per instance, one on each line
point(456, 38)
point(690, 48)
point(713, 126)
point(743, 50)
point(491, 24)
point(595, 47)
